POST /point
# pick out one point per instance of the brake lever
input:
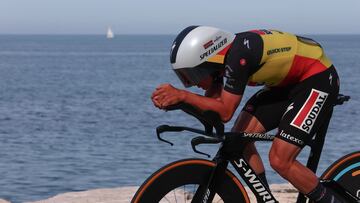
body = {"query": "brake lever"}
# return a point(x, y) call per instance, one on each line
point(204, 140)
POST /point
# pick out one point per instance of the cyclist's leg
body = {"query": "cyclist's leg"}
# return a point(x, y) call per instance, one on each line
point(249, 123)
point(282, 158)
point(311, 101)
point(260, 114)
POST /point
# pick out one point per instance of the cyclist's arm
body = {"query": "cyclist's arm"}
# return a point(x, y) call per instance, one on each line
point(215, 89)
point(237, 72)
point(225, 105)
point(237, 76)
point(241, 62)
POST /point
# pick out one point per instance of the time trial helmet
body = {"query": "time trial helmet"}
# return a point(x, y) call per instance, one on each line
point(199, 51)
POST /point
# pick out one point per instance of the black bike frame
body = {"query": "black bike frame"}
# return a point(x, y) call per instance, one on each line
point(248, 175)
point(262, 193)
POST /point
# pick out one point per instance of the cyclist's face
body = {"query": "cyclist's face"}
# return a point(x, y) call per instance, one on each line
point(206, 83)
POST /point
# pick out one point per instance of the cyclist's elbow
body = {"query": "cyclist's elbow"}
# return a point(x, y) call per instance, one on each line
point(225, 120)
point(229, 103)
point(226, 117)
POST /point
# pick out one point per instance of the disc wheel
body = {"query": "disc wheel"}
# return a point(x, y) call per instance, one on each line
point(178, 181)
point(346, 172)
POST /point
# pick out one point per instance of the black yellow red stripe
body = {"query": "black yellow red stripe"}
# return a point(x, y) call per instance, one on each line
point(219, 57)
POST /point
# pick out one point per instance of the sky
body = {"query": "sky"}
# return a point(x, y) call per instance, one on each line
point(170, 17)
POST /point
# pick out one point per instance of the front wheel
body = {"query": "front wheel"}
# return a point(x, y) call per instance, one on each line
point(346, 172)
point(178, 181)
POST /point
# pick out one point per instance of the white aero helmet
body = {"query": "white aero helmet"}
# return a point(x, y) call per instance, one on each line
point(199, 51)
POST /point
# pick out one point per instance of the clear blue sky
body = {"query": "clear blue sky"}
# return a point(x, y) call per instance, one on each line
point(168, 16)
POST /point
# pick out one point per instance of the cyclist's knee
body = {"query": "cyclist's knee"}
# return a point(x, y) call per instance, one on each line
point(282, 155)
point(279, 164)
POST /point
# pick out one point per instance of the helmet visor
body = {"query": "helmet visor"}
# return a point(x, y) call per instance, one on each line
point(193, 76)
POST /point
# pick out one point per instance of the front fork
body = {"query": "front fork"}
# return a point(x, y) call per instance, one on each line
point(206, 192)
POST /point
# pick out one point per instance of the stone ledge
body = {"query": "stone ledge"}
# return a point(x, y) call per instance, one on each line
point(283, 192)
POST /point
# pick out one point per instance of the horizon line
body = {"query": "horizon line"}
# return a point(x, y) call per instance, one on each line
point(125, 34)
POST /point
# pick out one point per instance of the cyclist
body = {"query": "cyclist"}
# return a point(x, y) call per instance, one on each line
point(300, 85)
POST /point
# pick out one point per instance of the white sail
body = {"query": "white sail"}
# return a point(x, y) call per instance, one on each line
point(109, 34)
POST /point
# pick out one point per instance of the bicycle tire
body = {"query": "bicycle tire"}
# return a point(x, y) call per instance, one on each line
point(188, 171)
point(346, 172)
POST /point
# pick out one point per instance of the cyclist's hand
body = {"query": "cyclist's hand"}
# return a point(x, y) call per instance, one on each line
point(166, 95)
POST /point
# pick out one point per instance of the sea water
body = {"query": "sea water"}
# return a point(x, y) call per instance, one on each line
point(76, 114)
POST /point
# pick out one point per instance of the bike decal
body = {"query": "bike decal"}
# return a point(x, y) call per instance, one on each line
point(253, 181)
point(207, 194)
point(306, 117)
point(338, 176)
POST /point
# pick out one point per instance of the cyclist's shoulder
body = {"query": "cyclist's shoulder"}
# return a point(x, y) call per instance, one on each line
point(245, 38)
point(255, 42)
point(246, 43)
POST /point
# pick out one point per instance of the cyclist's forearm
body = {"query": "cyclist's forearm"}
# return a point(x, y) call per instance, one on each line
point(225, 105)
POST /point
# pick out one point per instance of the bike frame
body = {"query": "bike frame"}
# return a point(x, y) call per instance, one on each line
point(261, 192)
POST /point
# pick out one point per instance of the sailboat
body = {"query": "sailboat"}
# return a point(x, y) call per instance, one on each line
point(109, 34)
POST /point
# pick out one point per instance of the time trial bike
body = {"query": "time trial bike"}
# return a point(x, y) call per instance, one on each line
point(204, 181)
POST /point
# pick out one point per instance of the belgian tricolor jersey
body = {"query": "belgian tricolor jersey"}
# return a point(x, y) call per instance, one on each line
point(272, 58)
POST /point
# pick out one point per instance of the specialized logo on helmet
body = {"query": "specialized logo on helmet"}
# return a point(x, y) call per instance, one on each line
point(306, 117)
point(213, 48)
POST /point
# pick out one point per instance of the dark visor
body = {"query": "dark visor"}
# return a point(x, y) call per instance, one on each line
point(193, 76)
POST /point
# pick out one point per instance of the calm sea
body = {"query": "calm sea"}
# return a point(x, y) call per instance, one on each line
point(75, 112)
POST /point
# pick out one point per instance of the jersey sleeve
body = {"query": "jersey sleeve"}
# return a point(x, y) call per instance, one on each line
point(237, 68)
point(242, 61)
point(236, 75)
